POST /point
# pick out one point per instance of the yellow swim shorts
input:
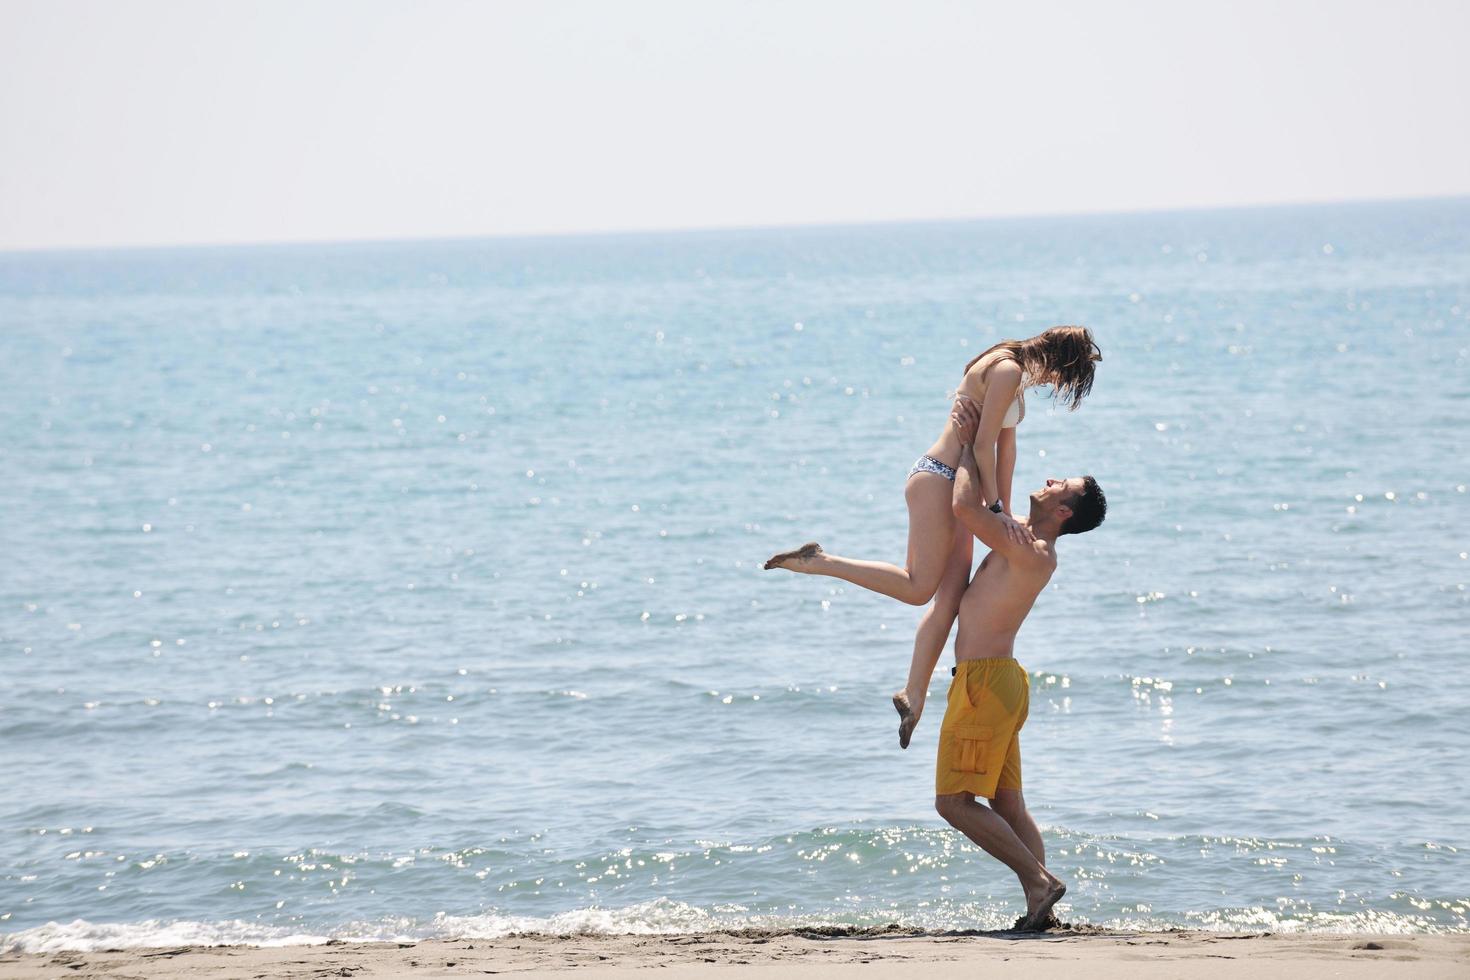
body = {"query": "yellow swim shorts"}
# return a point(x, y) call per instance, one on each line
point(980, 740)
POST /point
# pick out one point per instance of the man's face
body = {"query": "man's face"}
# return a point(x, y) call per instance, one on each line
point(1056, 493)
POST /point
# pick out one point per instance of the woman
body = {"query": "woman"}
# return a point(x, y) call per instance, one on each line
point(939, 549)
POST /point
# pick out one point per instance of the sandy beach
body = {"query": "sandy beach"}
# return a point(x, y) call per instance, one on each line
point(889, 952)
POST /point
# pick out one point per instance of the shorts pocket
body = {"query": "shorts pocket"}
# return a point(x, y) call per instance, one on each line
point(972, 747)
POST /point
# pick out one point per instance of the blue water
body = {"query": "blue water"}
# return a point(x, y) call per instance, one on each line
point(414, 589)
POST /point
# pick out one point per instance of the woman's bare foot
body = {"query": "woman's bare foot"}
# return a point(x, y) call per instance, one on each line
point(799, 560)
point(907, 718)
point(1039, 902)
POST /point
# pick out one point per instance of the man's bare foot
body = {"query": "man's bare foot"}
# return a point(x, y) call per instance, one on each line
point(1052, 922)
point(1040, 901)
point(794, 561)
point(907, 719)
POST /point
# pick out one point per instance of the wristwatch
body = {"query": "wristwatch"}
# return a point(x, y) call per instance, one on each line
point(996, 508)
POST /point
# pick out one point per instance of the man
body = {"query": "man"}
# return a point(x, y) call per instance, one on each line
point(979, 744)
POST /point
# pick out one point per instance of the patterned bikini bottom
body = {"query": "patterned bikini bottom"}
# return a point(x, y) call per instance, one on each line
point(928, 464)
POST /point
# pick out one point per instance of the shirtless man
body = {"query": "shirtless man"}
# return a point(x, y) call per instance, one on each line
point(979, 743)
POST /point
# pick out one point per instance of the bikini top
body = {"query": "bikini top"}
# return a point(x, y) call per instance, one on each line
point(1015, 413)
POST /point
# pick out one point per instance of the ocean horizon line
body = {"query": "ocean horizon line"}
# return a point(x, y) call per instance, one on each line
point(717, 229)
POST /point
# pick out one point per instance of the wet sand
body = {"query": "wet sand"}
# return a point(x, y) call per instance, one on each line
point(875, 953)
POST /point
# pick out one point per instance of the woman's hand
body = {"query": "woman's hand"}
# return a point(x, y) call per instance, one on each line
point(965, 418)
point(1016, 531)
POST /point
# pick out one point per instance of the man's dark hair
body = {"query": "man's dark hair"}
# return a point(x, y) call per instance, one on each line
point(1088, 508)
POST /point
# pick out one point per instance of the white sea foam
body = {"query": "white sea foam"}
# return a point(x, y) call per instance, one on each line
point(657, 917)
point(81, 935)
point(645, 918)
point(660, 916)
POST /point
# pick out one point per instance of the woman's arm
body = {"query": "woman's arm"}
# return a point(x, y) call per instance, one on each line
point(1000, 391)
point(965, 498)
point(1005, 465)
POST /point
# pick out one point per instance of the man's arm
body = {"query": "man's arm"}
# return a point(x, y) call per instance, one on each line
point(979, 519)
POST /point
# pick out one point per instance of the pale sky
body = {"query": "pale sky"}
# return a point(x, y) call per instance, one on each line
point(192, 121)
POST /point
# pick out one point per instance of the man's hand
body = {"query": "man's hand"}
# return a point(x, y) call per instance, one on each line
point(1015, 530)
point(965, 417)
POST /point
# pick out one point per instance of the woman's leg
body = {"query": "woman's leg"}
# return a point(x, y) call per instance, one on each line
point(931, 527)
point(933, 633)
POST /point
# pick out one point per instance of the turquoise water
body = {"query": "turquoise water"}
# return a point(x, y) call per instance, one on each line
point(414, 589)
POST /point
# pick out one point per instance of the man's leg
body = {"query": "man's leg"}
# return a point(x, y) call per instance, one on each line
point(1011, 806)
point(992, 833)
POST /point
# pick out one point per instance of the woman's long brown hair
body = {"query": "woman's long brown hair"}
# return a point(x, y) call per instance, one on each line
point(1062, 357)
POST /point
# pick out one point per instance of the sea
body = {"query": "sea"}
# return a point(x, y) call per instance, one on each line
point(414, 589)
